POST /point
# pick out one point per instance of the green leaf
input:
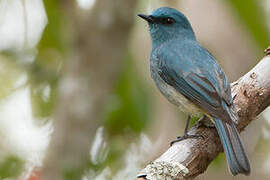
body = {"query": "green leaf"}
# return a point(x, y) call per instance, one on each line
point(251, 14)
point(12, 166)
point(45, 70)
point(127, 110)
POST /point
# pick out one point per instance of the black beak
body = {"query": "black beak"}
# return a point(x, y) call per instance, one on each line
point(149, 19)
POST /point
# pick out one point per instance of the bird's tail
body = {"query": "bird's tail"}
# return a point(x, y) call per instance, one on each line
point(235, 154)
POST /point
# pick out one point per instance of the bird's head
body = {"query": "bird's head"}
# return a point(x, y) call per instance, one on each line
point(167, 23)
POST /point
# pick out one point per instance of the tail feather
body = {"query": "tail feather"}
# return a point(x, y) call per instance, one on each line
point(235, 154)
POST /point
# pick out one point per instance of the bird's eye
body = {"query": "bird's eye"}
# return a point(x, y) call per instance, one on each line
point(168, 20)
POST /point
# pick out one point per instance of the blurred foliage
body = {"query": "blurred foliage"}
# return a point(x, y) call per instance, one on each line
point(262, 146)
point(72, 174)
point(128, 109)
point(126, 115)
point(53, 34)
point(42, 75)
point(252, 15)
point(193, 120)
point(219, 161)
point(12, 166)
point(45, 71)
point(115, 158)
point(10, 73)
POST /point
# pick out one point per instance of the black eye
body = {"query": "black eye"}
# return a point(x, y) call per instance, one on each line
point(168, 20)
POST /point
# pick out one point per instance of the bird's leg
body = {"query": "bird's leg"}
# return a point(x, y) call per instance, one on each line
point(186, 135)
point(187, 125)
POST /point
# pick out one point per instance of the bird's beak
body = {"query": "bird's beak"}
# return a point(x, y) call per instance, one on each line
point(148, 18)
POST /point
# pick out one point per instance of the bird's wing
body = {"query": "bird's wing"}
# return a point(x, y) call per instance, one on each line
point(209, 90)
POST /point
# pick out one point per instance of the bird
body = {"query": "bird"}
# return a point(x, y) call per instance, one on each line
point(190, 77)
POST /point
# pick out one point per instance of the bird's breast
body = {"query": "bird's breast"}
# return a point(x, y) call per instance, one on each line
point(173, 95)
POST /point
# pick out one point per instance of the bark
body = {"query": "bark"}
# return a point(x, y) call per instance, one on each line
point(191, 157)
point(100, 42)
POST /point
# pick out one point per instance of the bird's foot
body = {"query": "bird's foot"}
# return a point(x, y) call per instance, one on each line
point(267, 51)
point(186, 136)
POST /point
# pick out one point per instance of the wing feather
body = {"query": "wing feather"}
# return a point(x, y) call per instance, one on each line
point(208, 90)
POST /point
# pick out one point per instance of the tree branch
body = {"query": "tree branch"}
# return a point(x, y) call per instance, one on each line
point(191, 157)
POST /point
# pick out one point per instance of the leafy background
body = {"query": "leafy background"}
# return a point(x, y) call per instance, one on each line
point(75, 74)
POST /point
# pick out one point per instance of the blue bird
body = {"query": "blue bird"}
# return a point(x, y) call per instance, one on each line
point(190, 78)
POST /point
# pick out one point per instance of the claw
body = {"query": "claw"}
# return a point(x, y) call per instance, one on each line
point(267, 51)
point(186, 136)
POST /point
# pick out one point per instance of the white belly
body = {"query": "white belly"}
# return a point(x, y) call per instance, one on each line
point(175, 97)
point(182, 102)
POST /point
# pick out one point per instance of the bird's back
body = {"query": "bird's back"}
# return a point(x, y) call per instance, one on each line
point(188, 62)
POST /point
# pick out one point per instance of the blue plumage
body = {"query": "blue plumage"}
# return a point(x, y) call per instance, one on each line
point(190, 77)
